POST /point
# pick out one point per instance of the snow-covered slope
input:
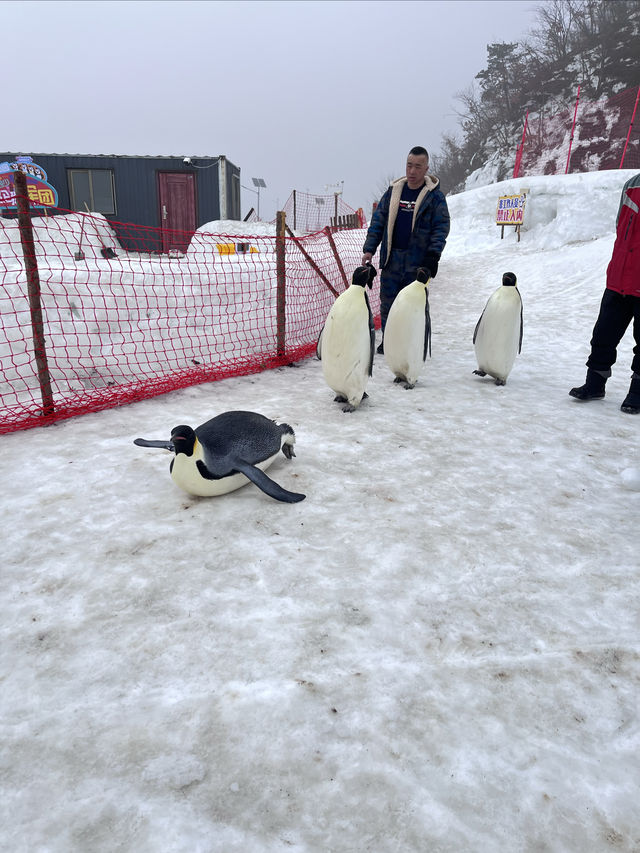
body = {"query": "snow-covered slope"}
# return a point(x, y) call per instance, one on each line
point(436, 651)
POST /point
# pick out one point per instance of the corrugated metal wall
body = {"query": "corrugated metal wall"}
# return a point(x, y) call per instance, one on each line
point(136, 183)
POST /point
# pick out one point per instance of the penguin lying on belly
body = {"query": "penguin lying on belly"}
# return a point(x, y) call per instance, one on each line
point(346, 343)
point(498, 334)
point(226, 453)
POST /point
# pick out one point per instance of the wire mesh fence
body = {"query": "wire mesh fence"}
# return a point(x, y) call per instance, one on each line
point(309, 212)
point(122, 320)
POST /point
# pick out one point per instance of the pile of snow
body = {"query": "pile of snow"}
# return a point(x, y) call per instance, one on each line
point(560, 210)
point(60, 237)
point(486, 174)
point(233, 227)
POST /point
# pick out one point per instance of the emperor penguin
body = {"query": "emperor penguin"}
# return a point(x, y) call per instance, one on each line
point(498, 334)
point(346, 343)
point(227, 452)
point(407, 335)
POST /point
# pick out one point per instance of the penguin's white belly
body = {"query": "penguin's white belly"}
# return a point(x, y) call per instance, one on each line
point(404, 333)
point(346, 346)
point(498, 335)
point(185, 474)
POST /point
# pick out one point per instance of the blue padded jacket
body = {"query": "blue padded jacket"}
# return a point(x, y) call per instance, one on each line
point(430, 223)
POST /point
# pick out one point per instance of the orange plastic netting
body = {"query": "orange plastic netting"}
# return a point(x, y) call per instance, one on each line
point(123, 320)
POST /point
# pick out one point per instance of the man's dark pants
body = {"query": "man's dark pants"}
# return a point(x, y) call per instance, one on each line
point(393, 278)
point(616, 312)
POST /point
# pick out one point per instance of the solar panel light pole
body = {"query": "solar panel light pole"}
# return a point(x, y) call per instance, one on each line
point(259, 182)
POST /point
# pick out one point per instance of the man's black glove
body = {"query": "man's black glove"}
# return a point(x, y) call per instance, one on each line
point(431, 263)
point(423, 275)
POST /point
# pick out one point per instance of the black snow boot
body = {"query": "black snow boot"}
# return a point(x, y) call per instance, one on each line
point(631, 403)
point(593, 388)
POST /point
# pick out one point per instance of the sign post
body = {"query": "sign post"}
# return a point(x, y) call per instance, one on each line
point(510, 211)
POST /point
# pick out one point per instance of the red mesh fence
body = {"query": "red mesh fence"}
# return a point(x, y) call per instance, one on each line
point(605, 130)
point(125, 319)
point(308, 213)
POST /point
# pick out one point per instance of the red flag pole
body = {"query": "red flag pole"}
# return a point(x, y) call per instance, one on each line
point(635, 107)
point(573, 127)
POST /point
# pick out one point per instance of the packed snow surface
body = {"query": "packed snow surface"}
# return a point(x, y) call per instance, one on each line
point(436, 651)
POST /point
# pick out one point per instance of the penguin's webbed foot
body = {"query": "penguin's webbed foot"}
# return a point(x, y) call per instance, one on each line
point(399, 379)
point(288, 451)
point(409, 385)
point(501, 381)
point(340, 399)
point(349, 408)
point(480, 372)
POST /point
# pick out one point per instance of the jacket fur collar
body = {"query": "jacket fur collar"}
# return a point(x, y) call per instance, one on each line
point(431, 182)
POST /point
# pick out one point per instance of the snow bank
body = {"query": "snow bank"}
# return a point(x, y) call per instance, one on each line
point(560, 210)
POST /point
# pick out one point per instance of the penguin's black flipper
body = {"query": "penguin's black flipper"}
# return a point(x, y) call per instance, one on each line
point(372, 335)
point(319, 346)
point(521, 326)
point(268, 486)
point(164, 445)
point(427, 328)
point(475, 331)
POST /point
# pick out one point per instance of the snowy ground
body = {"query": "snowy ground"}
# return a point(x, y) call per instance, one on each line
point(436, 651)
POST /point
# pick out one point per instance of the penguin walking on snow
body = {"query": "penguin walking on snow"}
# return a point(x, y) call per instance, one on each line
point(498, 334)
point(407, 334)
point(346, 343)
point(227, 452)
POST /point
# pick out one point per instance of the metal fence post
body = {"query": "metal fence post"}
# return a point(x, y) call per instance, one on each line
point(281, 301)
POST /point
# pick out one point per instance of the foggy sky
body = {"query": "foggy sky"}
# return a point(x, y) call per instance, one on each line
point(305, 95)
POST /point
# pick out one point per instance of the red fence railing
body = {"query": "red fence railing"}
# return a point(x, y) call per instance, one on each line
point(122, 321)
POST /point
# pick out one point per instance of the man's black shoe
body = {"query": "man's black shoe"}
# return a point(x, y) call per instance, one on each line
point(631, 403)
point(593, 388)
point(584, 393)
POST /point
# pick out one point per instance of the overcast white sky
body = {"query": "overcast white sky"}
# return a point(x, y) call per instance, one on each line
point(303, 94)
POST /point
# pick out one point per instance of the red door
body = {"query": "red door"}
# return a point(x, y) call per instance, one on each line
point(177, 196)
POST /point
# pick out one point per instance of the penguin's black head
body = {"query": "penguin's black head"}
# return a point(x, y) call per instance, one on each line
point(183, 439)
point(364, 276)
point(509, 279)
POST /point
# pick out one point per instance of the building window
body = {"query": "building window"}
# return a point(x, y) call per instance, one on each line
point(92, 189)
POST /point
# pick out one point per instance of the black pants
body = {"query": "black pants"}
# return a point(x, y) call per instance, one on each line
point(616, 312)
point(393, 278)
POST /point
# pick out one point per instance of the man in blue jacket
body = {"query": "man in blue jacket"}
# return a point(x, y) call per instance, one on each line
point(410, 224)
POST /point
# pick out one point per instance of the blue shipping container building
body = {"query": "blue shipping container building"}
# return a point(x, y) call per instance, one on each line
point(175, 194)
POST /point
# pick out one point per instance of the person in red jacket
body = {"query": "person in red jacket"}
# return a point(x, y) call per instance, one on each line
point(620, 305)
